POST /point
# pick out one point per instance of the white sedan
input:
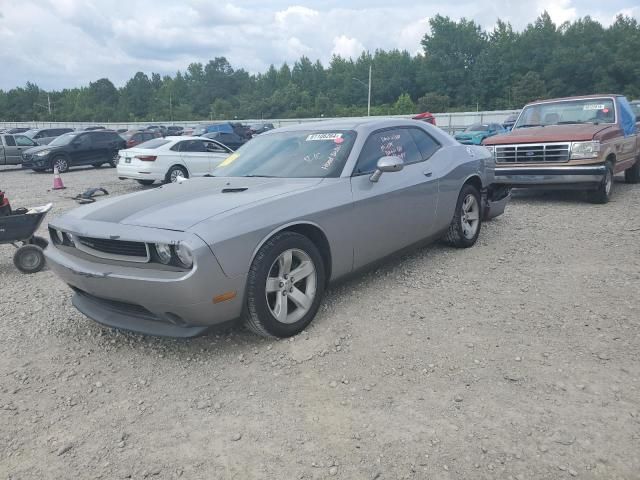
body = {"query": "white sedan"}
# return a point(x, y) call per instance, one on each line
point(166, 159)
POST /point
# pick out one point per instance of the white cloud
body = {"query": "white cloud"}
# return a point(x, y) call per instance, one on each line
point(347, 47)
point(65, 43)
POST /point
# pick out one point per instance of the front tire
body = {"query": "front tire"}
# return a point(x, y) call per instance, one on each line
point(632, 175)
point(174, 172)
point(61, 163)
point(285, 286)
point(467, 219)
point(603, 193)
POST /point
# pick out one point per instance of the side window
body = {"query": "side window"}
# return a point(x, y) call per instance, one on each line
point(193, 146)
point(177, 147)
point(214, 147)
point(426, 144)
point(395, 143)
point(23, 141)
point(83, 140)
point(9, 141)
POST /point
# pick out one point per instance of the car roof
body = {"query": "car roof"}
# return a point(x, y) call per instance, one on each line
point(359, 124)
point(577, 97)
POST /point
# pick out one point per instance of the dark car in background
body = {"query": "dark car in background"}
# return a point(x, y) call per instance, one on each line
point(136, 137)
point(43, 136)
point(258, 128)
point(231, 140)
point(160, 130)
point(174, 130)
point(74, 149)
point(16, 130)
point(94, 127)
point(510, 121)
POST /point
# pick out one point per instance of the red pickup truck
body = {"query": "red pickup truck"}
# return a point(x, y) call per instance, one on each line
point(576, 142)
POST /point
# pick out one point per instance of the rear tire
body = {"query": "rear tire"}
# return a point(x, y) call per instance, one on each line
point(278, 303)
point(603, 193)
point(632, 175)
point(29, 259)
point(174, 172)
point(146, 183)
point(467, 219)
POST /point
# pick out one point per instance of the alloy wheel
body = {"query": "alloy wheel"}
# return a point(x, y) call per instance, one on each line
point(291, 286)
point(470, 216)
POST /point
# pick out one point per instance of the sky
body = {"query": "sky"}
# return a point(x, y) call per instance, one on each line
point(68, 43)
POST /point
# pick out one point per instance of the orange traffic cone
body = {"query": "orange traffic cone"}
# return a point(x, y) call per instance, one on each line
point(57, 181)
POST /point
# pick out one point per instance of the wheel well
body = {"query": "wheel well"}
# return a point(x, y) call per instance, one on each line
point(318, 237)
point(475, 181)
point(180, 166)
point(611, 158)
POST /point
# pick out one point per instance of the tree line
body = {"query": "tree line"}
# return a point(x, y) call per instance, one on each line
point(462, 67)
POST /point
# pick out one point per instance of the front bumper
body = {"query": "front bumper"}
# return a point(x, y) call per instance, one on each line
point(561, 176)
point(36, 162)
point(148, 300)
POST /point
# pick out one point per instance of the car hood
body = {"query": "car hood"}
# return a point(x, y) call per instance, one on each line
point(39, 148)
point(180, 206)
point(470, 134)
point(550, 133)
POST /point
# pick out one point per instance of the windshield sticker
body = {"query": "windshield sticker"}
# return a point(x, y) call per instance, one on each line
point(324, 136)
point(338, 140)
point(389, 148)
point(593, 106)
point(332, 157)
point(230, 159)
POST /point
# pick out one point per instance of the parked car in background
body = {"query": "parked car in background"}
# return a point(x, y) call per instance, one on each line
point(160, 130)
point(44, 136)
point(17, 130)
point(510, 121)
point(122, 130)
point(258, 128)
point(242, 130)
point(297, 209)
point(635, 107)
point(92, 128)
point(136, 137)
point(576, 142)
point(188, 131)
point(75, 149)
point(224, 127)
point(174, 130)
point(231, 140)
point(166, 159)
point(12, 146)
point(476, 133)
point(426, 117)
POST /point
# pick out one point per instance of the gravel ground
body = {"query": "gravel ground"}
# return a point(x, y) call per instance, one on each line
point(518, 358)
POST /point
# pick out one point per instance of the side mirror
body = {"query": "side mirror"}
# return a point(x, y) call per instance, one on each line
point(386, 164)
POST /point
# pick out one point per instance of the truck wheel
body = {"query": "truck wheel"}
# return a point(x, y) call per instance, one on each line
point(632, 175)
point(467, 220)
point(29, 259)
point(602, 194)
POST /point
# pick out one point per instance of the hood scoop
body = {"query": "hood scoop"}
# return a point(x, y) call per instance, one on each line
point(234, 189)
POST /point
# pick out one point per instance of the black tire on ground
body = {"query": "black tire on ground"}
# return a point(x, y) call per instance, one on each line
point(39, 241)
point(145, 182)
point(603, 193)
point(632, 175)
point(62, 163)
point(457, 236)
point(257, 315)
point(29, 259)
point(112, 161)
point(170, 176)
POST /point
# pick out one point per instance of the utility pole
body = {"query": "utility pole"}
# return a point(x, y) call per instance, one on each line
point(369, 99)
point(49, 103)
point(170, 108)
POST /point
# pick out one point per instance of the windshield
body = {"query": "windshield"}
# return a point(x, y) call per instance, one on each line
point(588, 110)
point(63, 139)
point(636, 108)
point(299, 154)
point(477, 128)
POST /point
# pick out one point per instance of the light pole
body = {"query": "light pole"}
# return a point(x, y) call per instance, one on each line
point(369, 87)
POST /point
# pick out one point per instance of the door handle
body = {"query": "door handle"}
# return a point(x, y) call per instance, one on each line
point(427, 173)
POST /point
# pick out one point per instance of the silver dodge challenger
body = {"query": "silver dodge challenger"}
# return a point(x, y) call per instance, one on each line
point(261, 237)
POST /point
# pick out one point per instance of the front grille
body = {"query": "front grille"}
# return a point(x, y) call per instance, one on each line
point(533, 153)
point(114, 249)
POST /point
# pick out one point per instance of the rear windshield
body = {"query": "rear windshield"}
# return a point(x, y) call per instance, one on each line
point(155, 143)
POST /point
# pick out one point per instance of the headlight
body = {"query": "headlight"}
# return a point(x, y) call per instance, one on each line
point(164, 253)
point(491, 148)
point(42, 153)
point(580, 150)
point(184, 254)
